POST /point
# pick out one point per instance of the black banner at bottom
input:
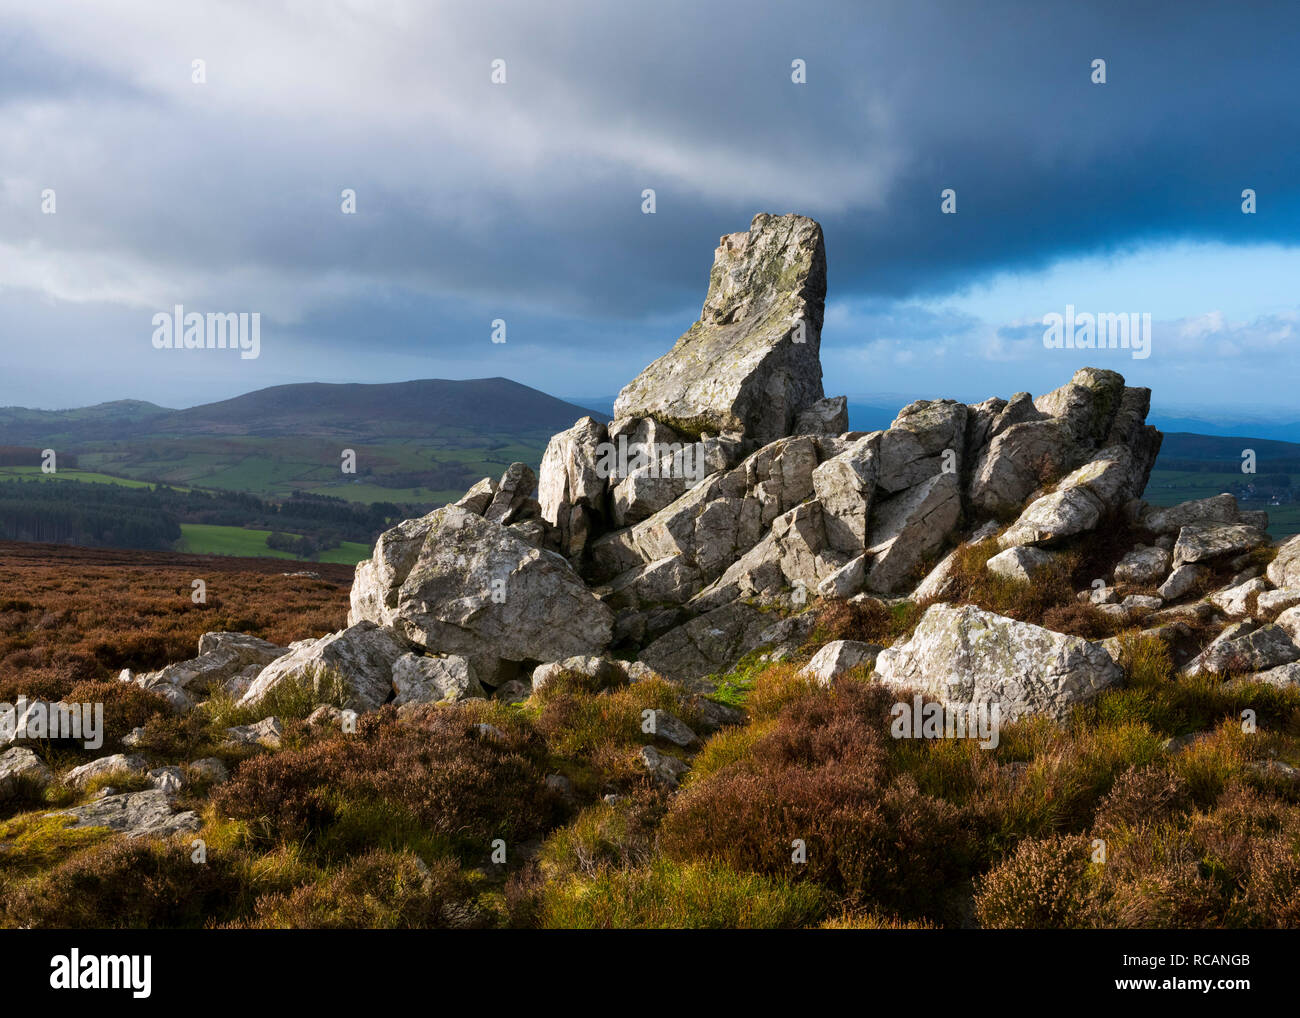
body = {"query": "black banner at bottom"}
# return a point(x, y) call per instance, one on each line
point(188, 968)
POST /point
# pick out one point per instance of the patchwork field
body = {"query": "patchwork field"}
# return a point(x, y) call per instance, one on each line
point(206, 539)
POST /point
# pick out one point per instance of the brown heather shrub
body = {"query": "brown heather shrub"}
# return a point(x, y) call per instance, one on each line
point(86, 613)
point(1049, 587)
point(868, 621)
point(1142, 795)
point(1234, 865)
point(125, 883)
point(379, 890)
point(396, 784)
point(1043, 885)
point(821, 775)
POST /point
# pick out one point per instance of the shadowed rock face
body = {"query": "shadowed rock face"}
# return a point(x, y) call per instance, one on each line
point(752, 362)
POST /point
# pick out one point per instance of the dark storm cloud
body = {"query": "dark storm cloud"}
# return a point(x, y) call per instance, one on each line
point(524, 199)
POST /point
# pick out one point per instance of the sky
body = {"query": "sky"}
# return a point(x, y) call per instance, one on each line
point(522, 200)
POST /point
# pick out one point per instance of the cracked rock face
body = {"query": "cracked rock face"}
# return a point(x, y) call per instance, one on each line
point(456, 583)
point(967, 656)
point(751, 364)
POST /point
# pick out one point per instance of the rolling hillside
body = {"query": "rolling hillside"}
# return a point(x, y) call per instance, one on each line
point(421, 442)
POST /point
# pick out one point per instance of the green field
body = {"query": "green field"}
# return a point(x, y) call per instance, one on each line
point(1169, 487)
point(275, 467)
point(70, 474)
point(203, 539)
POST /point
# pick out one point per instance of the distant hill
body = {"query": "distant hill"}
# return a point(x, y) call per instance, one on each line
point(360, 412)
point(420, 443)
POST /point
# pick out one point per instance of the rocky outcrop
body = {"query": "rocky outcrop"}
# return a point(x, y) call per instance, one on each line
point(838, 657)
point(573, 484)
point(432, 678)
point(456, 583)
point(221, 657)
point(751, 364)
point(354, 666)
point(715, 641)
point(1284, 570)
point(1246, 647)
point(964, 656)
point(136, 814)
point(1198, 542)
point(119, 763)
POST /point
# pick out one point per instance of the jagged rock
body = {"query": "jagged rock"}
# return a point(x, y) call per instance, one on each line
point(966, 656)
point(845, 485)
point(1284, 570)
point(828, 416)
point(601, 672)
point(715, 641)
point(716, 522)
point(792, 553)
point(1278, 600)
point(838, 657)
point(1204, 511)
point(1181, 580)
point(664, 769)
point(1141, 602)
point(536, 533)
point(79, 777)
point(926, 439)
point(666, 581)
point(1081, 499)
point(908, 527)
point(1087, 404)
point(21, 768)
point(660, 467)
point(135, 814)
point(1143, 566)
point(573, 484)
point(751, 363)
point(266, 733)
point(513, 501)
point(1018, 461)
point(668, 726)
point(354, 665)
point(845, 581)
point(1256, 518)
point(1201, 542)
point(1245, 647)
point(479, 497)
point(433, 678)
point(1058, 434)
point(456, 583)
point(221, 656)
point(1233, 600)
point(1019, 563)
point(1289, 620)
